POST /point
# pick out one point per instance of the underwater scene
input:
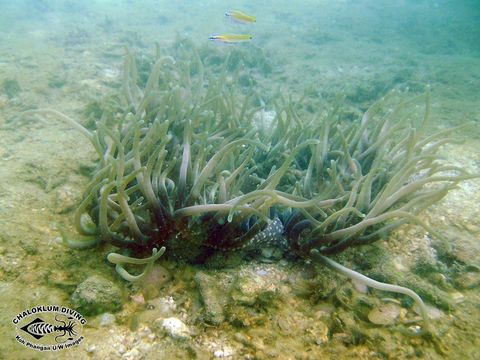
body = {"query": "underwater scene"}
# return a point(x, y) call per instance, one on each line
point(240, 180)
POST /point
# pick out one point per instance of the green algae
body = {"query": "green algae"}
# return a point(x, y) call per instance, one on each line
point(11, 87)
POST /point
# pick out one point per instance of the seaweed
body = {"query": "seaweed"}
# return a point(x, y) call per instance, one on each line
point(11, 88)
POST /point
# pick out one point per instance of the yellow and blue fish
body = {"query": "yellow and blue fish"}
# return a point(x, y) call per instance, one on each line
point(240, 17)
point(231, 38)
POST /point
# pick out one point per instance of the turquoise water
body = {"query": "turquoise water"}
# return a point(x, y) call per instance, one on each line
point(69, 56)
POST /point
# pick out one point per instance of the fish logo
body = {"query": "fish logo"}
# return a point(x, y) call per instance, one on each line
point(38, 328)
point(49, 328)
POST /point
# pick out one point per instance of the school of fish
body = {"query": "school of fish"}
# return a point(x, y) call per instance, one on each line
point(238, 17)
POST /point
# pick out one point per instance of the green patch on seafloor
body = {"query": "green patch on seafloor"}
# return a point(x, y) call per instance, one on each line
point(11, 88)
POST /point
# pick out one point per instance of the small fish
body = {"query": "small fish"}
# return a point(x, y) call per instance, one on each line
point(231, 38)
point(240, 17)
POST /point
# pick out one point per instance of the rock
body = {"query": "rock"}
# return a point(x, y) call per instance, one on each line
point(270, 254)
point(222, 260)
point(157, 308)
point(91, 349)
point(385, 314)
point(344, 320)
point(363, 305)
point(472, 228)
point(251, 287)
point(103, 320)
point(175, 328)
point(262, 120)
point(439, 280)
point(138, 299)
point(226, 352)
point(151, 285)
point(360, 287)
point(320, 332)
point(97, 295)
point(107, 320)
point(214, 292)
point(132, 354)
point(465, 247)
point(65, 200)
point(433, 313)
point(468, 280)
point(457, 297)
point(165, 306)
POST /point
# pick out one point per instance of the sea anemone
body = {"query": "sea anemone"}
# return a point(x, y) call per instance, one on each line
point(187, 170)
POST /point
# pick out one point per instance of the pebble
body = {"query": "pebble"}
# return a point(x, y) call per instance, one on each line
point(214, 294)
point(263, 119)
point(360, 287)
point(434, 313)
point(249, 287)
point(97, 295)
point(121, 349)
point(132, 354)
point(473, 229)
point(175, 328)
point(320, 332)
point(468, 280)
point(90, 349)
point(138, 299)
point(152, 284)
point(225, 352)
point(465, 247)
point(271, 253)
point(107, 319)
point(457, 297)
point(165, 305)
point(385, 314)
point(65, 200)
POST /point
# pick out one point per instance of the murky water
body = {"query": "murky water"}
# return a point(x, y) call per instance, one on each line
point(69, 56)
